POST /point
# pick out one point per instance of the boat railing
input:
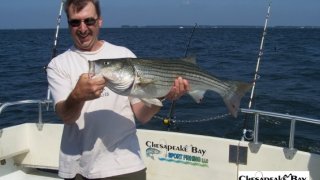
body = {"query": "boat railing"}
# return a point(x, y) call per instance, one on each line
point(292, 118)
point(40, 103)
point(256, 113)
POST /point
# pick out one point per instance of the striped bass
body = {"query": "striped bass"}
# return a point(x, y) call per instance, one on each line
point(150, 79)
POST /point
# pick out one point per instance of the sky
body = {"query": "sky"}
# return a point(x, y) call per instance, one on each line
point(26, 14)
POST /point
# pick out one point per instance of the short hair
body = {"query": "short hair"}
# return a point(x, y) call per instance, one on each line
point(80, 4)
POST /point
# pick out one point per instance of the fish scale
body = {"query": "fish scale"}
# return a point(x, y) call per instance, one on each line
point(149, 79)
point(167, 71)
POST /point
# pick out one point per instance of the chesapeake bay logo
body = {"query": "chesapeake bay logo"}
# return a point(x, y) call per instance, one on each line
point(183, 154)
point(273, 175)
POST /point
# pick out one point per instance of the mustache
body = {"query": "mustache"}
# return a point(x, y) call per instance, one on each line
point(83, 33)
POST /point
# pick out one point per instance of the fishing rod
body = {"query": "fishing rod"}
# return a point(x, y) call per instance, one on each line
point(188, 45)
point(256, 75)
point(167, 121)
point(54, 49)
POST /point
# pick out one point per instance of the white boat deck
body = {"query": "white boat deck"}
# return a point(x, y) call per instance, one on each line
point(167, 155)
point(24, 148)
point(31, 174)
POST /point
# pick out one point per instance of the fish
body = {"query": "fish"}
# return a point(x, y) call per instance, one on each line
point(150, 152)
point(152, 78)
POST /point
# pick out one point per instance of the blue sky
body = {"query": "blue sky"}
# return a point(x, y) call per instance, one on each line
point(17, 14)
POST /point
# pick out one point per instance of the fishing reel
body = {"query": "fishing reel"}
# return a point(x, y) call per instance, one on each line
point(170, 124)
point(166, 121)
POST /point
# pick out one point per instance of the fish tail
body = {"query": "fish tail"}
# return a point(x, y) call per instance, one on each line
point(234, 95)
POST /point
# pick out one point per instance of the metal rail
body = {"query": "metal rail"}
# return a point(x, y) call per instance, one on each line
point(39, 102)
point(258, 113)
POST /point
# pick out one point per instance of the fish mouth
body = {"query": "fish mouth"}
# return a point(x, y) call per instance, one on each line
point(92, 68)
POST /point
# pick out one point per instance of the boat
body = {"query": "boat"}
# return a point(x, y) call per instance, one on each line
point(31, 151)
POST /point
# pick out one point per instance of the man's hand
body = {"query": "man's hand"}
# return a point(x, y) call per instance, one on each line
point(88, 87)
point(179, 88)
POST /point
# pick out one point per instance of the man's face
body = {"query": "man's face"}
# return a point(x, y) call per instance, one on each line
point(85, 33)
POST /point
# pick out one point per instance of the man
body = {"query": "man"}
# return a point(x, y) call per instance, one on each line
point(99, 139)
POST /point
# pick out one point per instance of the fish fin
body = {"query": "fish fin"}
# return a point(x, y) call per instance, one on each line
point(149, 102)
point(233, 97)
point(197, 95)
point(190, 59)
point(143, 81)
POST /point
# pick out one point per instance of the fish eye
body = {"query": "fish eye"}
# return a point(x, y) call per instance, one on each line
point(106, 63)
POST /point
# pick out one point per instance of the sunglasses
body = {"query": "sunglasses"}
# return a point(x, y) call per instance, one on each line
point(77, 22)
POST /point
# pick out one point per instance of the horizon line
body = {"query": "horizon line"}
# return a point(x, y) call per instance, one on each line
point(177, 26)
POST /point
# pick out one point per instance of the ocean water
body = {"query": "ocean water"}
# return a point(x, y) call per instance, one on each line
point(288, 76)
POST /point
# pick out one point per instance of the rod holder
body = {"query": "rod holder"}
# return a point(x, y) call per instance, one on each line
point(40, 122)
point(256, 129)
point(292, 133)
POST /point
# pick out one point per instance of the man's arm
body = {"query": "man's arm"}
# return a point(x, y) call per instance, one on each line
point(87, 88)
point(144, 113)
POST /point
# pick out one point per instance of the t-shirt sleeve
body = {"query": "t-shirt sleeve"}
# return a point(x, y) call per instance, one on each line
point(59, 82)
point(128, 53)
